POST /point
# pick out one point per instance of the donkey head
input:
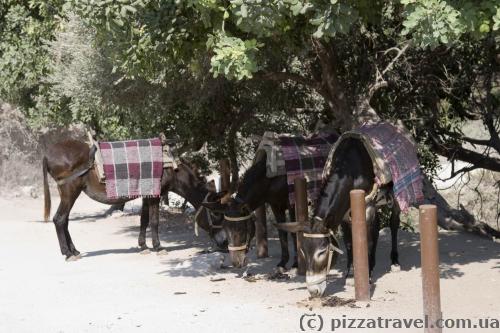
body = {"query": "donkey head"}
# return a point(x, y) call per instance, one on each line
point(238, 224)
point(188, 183)
point(319, 247)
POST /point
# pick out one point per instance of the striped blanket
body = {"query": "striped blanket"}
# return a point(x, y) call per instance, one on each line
point(305, 157)
point(394, 157)
point(400, 154)
point(132, 168)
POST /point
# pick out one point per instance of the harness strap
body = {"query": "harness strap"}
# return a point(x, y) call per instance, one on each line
point(308, 235)
point(81, 172)
point(209, 217)
point(237, 219)
point(237, 248)
point(196, 220)
point(74, 175)
point(326, 235)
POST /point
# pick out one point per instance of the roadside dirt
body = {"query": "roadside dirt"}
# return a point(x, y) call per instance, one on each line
point(114, 288)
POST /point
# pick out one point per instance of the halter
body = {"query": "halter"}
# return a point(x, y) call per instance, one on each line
point(238, 219)
point(209, 217)
point(331, 249)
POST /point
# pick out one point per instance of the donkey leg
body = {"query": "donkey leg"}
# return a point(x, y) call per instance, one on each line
point(346, 230)
point(71, 246)
point(394, 237)
point(373, 232)
point(61, 220)
point(261, 232)
point(144, 225)
point(154, 220)
point(279, 215)
point(291, 213)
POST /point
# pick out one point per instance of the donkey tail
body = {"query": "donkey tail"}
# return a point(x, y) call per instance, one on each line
point(46, 191)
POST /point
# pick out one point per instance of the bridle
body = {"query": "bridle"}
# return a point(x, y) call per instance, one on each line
point(331, 248)
point(209, 215)
point(373, 196)
point(239, 219)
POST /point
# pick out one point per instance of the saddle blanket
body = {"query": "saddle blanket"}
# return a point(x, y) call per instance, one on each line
point(305, 157)
point(400, 153)
point(394, 157)
point(132, 168)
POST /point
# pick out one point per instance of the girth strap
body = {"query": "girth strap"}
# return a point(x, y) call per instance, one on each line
point(80, 172)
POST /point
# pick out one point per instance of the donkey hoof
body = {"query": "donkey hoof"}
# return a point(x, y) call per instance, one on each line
point(145, 251)
point(71, 258)
point(162, 252)
point(349, 281)
point(280, 269)
point(395, 268)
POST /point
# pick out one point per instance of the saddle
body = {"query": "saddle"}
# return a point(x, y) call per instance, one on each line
point(169, 154)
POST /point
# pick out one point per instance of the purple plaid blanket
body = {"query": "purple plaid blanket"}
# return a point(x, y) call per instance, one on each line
point(399, 152)
point(305, 157)
point(132, 168)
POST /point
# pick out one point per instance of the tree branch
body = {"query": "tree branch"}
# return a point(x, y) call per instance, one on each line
point(460, 153)
point(474, 141)
point(287, 76)
point(400, 52)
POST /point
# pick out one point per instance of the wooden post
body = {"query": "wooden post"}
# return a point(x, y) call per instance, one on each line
point(261, 232)
point(360, 245)
point(429, 252)
point(301, 215)
point(225, 174)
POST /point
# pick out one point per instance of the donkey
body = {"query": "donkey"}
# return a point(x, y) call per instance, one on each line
point(70, 164)
point(254, 190)
point(352, 169)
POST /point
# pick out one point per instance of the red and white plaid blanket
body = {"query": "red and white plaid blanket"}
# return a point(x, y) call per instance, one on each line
point(132, 168)
point(305, 157)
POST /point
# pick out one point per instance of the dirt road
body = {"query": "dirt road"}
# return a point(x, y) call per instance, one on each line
point(114, 288)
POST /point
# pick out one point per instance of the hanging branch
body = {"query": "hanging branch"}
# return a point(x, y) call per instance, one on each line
point(364, 110)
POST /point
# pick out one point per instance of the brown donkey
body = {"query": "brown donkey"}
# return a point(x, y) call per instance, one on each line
point(70, 163)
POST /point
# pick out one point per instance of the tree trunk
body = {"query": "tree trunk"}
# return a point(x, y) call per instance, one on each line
point(455, 219)
point(225, 174)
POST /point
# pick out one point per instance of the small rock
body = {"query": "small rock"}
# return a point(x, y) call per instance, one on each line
point(217, 279)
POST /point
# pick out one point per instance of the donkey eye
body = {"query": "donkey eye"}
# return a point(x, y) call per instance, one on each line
point(321, 252)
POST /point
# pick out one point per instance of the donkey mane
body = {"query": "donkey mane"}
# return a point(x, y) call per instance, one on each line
point(351, 168)
point(251, 176)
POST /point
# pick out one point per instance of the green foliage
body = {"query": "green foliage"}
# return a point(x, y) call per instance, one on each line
point(134, 68)
point(24, 26)
point(334, 18)
point(233, 57)
point(432, 22)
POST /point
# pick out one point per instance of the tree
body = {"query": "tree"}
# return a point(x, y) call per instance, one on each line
point(231, 63)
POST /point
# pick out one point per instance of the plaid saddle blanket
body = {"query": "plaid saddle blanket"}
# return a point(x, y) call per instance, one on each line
point(306, 157)
point(132, 168)
point(394, 157)
point(399, 152)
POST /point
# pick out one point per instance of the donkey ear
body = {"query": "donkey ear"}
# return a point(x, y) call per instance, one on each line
point(291, 226)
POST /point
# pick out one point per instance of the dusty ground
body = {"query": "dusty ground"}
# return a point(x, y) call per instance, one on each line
point(114, 288)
